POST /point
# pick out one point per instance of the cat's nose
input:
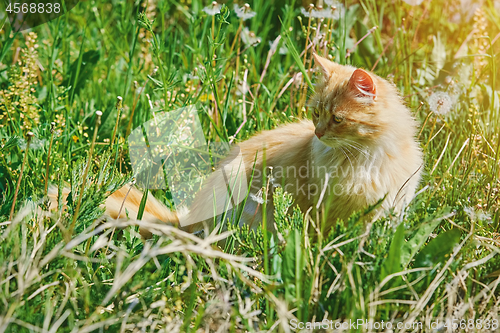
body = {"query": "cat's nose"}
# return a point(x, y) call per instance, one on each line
point(319, 134)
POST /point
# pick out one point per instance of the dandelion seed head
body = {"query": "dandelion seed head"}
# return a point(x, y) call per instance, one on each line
point(273, 46)
point(257, 197)
point(329, 12)
point(35, 143)
point(477, 215)
point(139, 90)
point(244, 12)
point(283, 49)
point(466, 10)
point(440, 103)
point(249, 38)
point(213, 9)
point(242, 89)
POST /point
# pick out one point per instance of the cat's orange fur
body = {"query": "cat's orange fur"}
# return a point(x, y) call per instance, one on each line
point(361, 135)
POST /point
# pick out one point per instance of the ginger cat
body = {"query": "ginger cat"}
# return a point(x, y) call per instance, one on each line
point(359, 147)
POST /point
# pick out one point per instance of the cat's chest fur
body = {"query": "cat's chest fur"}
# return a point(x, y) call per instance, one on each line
point(349, 180)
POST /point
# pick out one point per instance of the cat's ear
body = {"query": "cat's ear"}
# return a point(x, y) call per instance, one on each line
point(361, 83)
point(324, 64)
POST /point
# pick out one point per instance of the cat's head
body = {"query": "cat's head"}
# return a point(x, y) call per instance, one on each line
point(350, 104)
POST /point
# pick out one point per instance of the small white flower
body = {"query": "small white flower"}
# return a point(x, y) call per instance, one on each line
point(413, 2)
point(249, 38)
point(213, 9)
point(440, 103)
point(244, 12)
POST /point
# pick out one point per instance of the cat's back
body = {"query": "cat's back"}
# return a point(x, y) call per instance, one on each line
point(282, 143)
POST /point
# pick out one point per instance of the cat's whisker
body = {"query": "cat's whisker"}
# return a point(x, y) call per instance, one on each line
point(350, 162)
point(356, 157)
point(355, 143)
point(363, 152)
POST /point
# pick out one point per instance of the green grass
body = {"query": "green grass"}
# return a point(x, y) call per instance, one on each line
point(75, 270)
